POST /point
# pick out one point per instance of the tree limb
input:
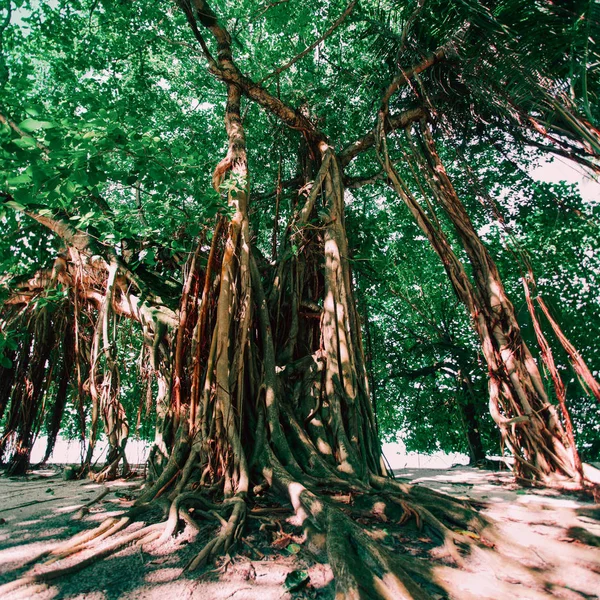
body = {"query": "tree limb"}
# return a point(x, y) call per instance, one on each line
point(227, 71)
point(368, 141)
point(405, 76)
point(312, 46)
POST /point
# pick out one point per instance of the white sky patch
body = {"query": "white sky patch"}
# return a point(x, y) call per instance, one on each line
point(197, 105)
point(163, 84)
point(559, 169)
point(483, 231)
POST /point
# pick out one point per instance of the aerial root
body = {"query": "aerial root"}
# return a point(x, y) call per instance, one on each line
point(158, 533)
point(440, 512)
point(105, 533)
point(109, 471)
point(86, 540)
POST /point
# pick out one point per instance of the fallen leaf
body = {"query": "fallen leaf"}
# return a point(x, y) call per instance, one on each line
point(296, 580)
point(282, 542)
point(467, 533)
point(293, 548)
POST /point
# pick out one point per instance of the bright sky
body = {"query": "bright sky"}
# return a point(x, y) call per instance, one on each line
point(562, 169)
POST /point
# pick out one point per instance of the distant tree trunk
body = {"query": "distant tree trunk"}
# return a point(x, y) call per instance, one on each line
point(28, 391)
point(468, 408)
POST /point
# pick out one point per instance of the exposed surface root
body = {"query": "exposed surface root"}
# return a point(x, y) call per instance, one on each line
point(142, 536)
point(388, 540)
point(229, 533)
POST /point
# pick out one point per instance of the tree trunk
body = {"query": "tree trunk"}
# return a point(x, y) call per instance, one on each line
point(468, 408)
point(268, 388)
point(518, 400)
point(519, 405)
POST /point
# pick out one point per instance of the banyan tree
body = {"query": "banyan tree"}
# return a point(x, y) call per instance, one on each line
point(242, 299)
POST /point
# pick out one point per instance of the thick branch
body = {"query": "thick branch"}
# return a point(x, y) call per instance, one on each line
point(85, 244)
point(227, 71)
point(368, 141)
point(405, 76)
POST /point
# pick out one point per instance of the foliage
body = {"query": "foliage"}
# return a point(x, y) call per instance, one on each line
point(117, 127)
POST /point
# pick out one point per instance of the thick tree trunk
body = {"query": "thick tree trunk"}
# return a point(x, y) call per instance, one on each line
point(516, 387)
point(267, 388)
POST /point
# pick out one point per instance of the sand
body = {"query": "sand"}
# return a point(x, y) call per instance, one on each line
point(37, 512)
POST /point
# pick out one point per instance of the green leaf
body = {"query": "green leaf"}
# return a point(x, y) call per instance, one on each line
point(10, 343)
point(33, 111)
point(296, 580)
point(5, 362)
point(31, 125)
point(19, 179)
point(14, 205)
point(25, 142)
point(293, 548)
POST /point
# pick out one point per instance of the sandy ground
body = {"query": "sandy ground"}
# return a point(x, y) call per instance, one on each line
point(37, 513)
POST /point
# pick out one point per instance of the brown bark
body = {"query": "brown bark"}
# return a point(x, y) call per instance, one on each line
point(518, 403)
point(586, 378)
point(301, 428)
point(60, 400)
point(516, 387)
point(559, 387)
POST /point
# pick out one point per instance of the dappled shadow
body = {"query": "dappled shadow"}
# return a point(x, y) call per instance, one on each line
point(543, 548)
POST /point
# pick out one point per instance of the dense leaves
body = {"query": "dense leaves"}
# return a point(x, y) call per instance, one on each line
point(113, 123)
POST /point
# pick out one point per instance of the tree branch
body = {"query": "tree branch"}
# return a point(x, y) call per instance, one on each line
point(7, 121)
point(312, 46)
point(227, 71)
point(86, 244)
point(368, 141)
point(354, 183)
point(405, 76)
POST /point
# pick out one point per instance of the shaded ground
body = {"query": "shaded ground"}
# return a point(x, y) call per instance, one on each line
point(38, 512)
